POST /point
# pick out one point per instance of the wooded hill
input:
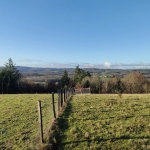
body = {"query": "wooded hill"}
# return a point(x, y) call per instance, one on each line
point(41, 74)
point(15, 79)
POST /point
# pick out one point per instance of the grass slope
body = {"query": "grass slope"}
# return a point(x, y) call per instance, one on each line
point(19, 120)
point(102, 122)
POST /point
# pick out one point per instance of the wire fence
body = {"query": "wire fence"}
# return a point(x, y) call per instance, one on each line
point(63, 96)
point(19, 121)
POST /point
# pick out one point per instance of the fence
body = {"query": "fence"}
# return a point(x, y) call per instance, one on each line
point(19, 125)
point(63, 97)
point(83, 91)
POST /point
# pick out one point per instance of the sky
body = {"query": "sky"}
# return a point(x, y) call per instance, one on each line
point(66, 33)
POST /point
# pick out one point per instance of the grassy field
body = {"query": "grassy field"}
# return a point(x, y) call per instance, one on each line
point(19, 120)
point(105, 122)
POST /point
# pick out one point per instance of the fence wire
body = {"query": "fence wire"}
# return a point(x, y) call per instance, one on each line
point(19, 118)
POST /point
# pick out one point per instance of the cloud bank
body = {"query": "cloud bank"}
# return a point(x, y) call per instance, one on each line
point(105, 65)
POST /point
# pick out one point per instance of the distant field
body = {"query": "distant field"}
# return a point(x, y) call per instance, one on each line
point(105, 79)
point(42, 83)
point(102, 122)
point(19, 120)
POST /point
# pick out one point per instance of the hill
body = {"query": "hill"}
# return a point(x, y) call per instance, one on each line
point(37, 74)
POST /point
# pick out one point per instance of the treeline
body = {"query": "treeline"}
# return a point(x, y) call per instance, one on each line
point(134, 82)
point(11, 82)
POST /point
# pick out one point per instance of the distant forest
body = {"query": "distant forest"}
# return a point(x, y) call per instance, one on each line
point(16, 79)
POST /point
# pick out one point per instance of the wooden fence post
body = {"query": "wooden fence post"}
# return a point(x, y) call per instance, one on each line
point(53, 105)
point(40, 122)
point(67, 93)
point(58, 99)
point(64, 95)
point(61, 97)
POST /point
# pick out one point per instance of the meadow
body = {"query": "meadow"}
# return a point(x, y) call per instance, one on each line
point(19, 120)
point(106, 121)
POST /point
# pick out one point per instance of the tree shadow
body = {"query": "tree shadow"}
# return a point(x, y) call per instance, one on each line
point(110, 117)
point(62, 125)
point(107, 139)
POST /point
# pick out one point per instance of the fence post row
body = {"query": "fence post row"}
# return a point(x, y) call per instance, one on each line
point(63, 95)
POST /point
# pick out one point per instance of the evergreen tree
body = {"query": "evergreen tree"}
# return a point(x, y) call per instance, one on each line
point(65, 80)
point(79, 74)
point(9, 77)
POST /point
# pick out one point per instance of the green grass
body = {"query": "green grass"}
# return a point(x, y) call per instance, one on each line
point(19, 120)
point(105, 79)
point(102, 122)
point(42, 83)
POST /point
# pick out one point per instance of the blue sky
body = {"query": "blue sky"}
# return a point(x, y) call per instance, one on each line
point(65, 33)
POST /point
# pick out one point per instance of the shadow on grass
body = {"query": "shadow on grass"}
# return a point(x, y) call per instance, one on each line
point(62, 125)
point(116, 118)
point(109, 139)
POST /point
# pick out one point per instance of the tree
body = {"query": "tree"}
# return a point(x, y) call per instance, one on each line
point(96, 84)
point(85, 82)
point(79, 74)
point(65, 80)
point(134, 82)
point(114, 85)
point(9, 77)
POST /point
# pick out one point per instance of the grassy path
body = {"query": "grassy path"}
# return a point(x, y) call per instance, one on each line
point(105, 122)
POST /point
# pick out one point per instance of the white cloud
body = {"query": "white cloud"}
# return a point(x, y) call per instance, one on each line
point(107, 64)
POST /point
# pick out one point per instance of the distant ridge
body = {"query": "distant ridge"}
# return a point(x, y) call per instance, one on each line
point(38, 69)
point(94, 71)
